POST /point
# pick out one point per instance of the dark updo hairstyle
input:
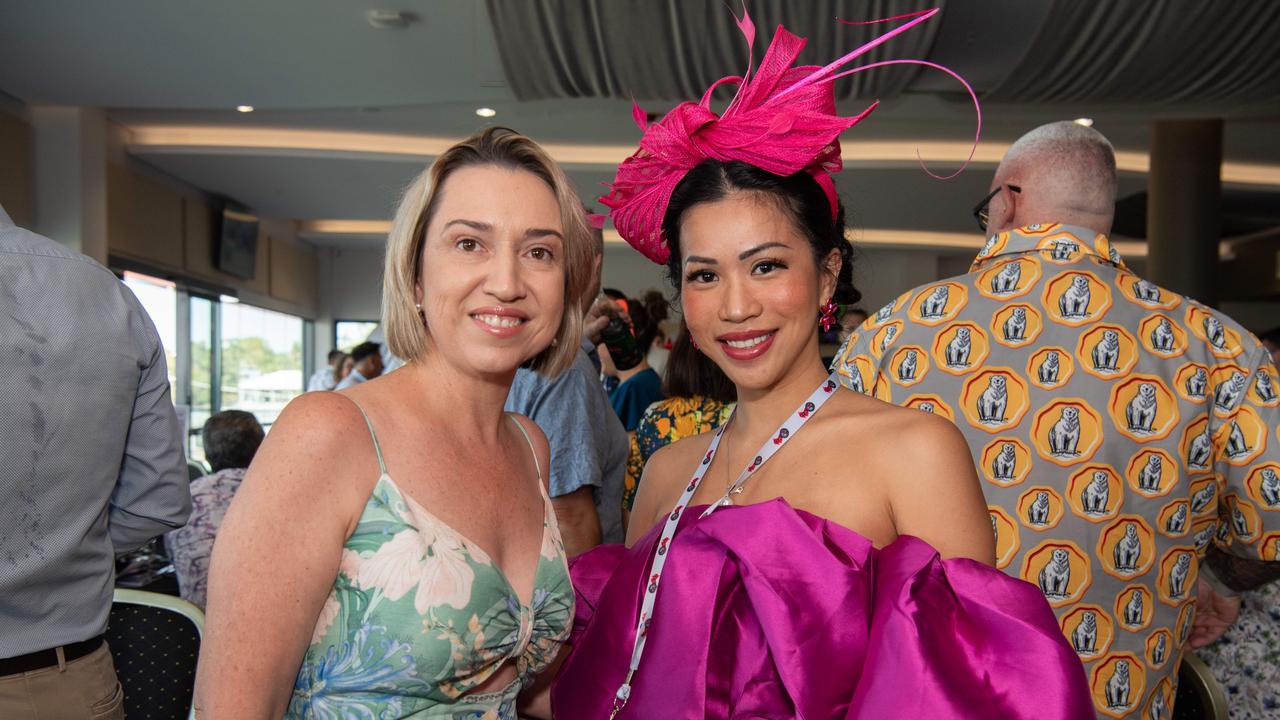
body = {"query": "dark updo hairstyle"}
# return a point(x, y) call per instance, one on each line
point(689, 372)
point(645, 314)
point(799, 195)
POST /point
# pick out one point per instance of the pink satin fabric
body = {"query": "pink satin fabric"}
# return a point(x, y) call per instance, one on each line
point(770, 612)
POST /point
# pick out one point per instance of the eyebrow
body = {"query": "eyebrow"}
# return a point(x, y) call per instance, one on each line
point(741, 256)
point(486, 227)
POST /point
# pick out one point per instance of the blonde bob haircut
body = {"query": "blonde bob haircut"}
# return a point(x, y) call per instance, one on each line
point(503, 147)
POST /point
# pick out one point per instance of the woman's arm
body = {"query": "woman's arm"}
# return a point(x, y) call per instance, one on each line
point(277, 554)
point(935, 494)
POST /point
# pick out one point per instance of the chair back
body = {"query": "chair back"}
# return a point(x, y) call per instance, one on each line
point(1200, 695)
point(155, 640)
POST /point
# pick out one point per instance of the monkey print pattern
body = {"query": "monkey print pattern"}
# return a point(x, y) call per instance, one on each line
point(1146, 292)
point(1005, 466)
point(1006, 281)
point(1265, 388)
point(1015, 327)
point(1038, 513)
point(1095, 495)
point(1227, 395)
point(1202, 497)
point(883, 313)
point(1215, 332)
point(927, 407)
point(907, 368)
point(1149, 476)
point(1240, 523)
point(1200, 450)
point(1128, 550)
point(1117, 690)
point(1177, 522)
point(1204, 537)
point(1162, 337)
point(1048, 370)
point(889, 334)
point(1198, 383)
point(993, 401)
point(1064, 436)
point(1236, 445)
point(1085, 637)
point(1133, 609)
point(1141, 412)
point(1106, 354)
point(1074, 302)
point(935, 305)
point(1270, 488)
point(855, 375)
point(1055, 576)
point(1063, 250)
point(1178, 577)
point(1160, 651)
point(957, 354)
point(1159, 711)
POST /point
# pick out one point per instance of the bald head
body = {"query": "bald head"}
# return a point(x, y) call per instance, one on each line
point(1067, 173)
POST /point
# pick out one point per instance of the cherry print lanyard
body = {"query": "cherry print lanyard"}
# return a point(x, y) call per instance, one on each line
point(771, 446)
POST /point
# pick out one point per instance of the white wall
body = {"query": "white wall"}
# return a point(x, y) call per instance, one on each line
point(350, 289)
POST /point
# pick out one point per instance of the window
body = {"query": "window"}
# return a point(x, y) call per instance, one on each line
point(350, 333)
point(203, 377)
point(160, 299)
point(260, 364)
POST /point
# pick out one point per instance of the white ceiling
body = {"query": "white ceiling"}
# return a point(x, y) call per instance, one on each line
point(317, 64)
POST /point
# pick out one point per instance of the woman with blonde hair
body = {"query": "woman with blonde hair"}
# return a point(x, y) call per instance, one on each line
point(392, 551)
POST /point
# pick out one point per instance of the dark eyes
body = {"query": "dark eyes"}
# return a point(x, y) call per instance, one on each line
point(700, 276)
point(764, 267)
point(467, 245)
point(541, 253)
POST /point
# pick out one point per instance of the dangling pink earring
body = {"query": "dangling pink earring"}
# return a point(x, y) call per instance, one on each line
point(828, 317)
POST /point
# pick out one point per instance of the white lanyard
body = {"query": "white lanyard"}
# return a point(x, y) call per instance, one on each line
point(771, 446)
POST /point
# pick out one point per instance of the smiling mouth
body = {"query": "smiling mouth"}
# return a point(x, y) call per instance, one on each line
point(748, 343)
point(498, 321)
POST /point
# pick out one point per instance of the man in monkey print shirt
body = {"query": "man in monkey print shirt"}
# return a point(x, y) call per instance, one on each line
point(1120, 430)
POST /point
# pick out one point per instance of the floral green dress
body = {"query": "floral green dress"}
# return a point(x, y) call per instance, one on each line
point(419, 616)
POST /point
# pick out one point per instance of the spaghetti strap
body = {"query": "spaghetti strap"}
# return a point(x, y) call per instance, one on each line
point(536, 465)
point(382, 466)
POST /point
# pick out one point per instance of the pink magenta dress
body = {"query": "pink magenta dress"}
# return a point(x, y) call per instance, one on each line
point(771, 612)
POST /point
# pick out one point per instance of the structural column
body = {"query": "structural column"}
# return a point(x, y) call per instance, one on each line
point(1184, 207)
point(71, 177)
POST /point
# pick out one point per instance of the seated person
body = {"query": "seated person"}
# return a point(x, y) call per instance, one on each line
point(231, 438)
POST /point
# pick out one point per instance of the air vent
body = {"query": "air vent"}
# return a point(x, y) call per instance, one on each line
point(388, 19)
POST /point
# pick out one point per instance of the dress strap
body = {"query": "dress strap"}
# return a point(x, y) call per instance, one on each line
point(536, 465)
point(382, 465)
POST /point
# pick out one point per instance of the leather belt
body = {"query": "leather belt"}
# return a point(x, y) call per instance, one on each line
point(42, 659)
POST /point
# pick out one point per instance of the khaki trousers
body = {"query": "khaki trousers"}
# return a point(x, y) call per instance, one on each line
point(83, 689)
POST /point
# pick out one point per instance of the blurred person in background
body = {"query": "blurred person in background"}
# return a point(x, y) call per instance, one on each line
point(640, 386)
point(326, 378)
point(343, 368)
point(366, 364)
point(231, 439)
point(1271, 341)
point(416, 568)
point(850, 320)
point(91, 467)
point(699, 398)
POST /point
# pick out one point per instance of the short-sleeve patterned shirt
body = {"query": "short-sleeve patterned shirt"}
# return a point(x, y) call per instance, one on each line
point(1119, 428)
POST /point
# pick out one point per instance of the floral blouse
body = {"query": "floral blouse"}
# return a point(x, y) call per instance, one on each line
point(665, 422)
point(1247, 658)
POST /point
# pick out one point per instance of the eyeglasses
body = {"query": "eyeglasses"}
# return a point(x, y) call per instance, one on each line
point(980, 210)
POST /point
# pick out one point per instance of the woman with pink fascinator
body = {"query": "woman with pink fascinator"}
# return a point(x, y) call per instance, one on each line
point(823, 554)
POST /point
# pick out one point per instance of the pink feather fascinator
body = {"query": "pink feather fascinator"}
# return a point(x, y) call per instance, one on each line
point(782, 119)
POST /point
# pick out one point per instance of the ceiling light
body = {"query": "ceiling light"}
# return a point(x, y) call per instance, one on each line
point(1087, 122)
point(244, 108)
point(486, 112)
